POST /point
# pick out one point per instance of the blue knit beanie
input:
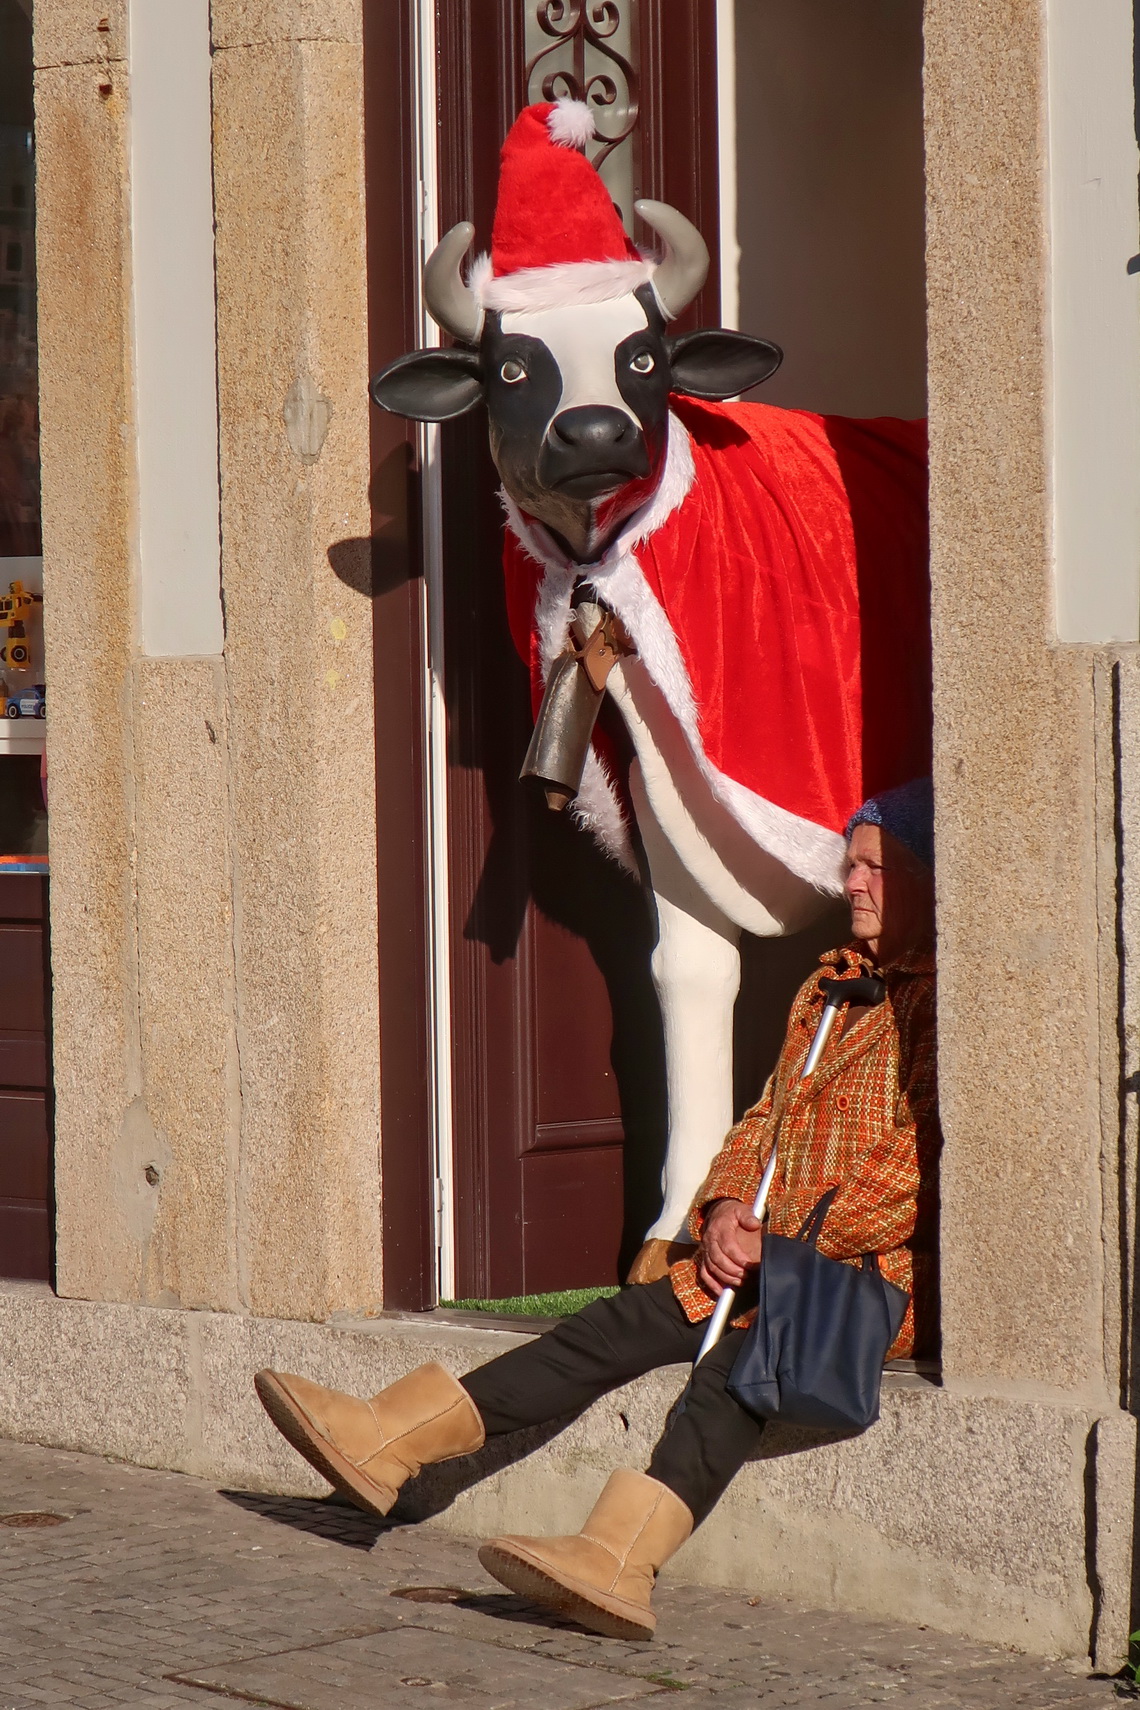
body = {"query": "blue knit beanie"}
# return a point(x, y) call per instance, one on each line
point(907, 812)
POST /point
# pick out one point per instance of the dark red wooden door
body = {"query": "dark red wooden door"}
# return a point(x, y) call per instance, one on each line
point(25, 1127)
point(558, 1092)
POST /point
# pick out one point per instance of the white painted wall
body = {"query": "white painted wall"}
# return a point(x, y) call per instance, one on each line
point(172, 214)
point(1095, 310)
point(822, 221)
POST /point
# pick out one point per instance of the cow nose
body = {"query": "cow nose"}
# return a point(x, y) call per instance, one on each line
point(594, 427)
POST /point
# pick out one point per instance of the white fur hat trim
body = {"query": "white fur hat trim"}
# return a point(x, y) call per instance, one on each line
point(571, 123)
point(557, 287)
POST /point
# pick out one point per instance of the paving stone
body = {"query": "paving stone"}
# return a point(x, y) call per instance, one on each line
point(161, 1592)
point(414, 1667)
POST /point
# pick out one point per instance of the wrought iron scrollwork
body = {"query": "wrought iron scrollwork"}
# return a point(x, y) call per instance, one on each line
point(586, 27)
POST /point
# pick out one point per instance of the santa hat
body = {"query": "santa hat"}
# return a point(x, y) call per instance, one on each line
point(557, 237)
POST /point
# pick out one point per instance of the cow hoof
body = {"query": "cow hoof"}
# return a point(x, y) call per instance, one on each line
point(654, 1259)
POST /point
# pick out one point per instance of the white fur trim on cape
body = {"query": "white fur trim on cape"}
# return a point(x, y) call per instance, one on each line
point(596, 805)
point(809, 850)
point(558, 287)
point(571, 124)
point(597, 808)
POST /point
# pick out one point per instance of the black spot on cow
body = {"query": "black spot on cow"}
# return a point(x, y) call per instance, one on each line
point(519, 404)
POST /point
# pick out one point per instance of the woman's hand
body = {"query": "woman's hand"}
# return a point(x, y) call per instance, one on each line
point(730, 1246)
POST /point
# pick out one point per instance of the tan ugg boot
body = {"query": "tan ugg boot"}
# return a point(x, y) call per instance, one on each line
point(368, 1449)
point(603, 1577)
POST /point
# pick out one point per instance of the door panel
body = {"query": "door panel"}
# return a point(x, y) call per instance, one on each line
point(559, 1107)
point(21, 958)
point(23, 1060)
point(25, 1242)
point(25, 1103)
point(572, 1217)
point(25, 1148)
point(572, 1054)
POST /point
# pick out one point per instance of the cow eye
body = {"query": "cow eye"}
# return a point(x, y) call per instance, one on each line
point(512, 371)
point(643, 363)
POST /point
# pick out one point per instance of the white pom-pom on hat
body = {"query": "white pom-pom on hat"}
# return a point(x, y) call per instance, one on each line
point(571, 123)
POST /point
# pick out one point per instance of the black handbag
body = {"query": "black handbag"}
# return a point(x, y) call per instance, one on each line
point(815, 1350)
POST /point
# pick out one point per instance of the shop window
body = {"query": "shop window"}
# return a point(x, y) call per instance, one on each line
point(23, 818)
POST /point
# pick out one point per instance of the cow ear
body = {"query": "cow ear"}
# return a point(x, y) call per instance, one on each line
point(430, 385)
point(716, 363)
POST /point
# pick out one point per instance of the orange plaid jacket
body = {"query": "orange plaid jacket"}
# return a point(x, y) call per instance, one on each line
point(867, 1122)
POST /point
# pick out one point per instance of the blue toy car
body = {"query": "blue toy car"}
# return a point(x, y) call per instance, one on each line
point(27, 703)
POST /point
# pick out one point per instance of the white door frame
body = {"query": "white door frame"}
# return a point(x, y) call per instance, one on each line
point(435, 708)
point(726, 161)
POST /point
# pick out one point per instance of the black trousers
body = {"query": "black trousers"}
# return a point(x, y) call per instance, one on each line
point(608, 1343)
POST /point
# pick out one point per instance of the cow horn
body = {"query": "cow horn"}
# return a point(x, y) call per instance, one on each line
point(450, 302)
point(686, 264)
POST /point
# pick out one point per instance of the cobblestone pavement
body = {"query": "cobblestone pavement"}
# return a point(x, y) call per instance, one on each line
point(158, 1590)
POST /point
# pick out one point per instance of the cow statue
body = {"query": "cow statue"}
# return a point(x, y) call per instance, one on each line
point(748, 584)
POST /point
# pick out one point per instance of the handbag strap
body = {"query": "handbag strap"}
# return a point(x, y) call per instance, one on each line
point(812, 1228)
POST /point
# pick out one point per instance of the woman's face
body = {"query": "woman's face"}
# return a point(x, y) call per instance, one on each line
point(890, 892)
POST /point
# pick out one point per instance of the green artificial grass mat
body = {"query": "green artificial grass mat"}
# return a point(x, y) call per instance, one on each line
point(558, 1305)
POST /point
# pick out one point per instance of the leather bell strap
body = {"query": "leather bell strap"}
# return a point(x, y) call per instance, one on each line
point(608, 642)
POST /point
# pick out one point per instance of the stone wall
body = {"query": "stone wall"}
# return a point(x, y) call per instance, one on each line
point(1025, 1271)
point(293, 396)
point(213, 823)
point(1035, 744)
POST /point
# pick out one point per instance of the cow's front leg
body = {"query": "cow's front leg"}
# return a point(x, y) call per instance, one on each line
point(696, 973)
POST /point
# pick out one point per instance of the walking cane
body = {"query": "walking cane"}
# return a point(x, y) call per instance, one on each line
point(866, 989)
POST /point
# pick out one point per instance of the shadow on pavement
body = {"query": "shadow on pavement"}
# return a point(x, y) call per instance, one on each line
point(502, 1606)
point(328, 1517)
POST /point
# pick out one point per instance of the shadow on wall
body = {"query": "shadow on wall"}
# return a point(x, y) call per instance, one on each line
point(376, 565)
point(830, 200)
point(771, 973)
point(437, 1487)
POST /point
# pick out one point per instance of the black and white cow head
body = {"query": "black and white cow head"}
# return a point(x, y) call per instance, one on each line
point(576, 369)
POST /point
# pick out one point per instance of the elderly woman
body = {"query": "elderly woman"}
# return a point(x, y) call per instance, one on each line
point(864, 1122)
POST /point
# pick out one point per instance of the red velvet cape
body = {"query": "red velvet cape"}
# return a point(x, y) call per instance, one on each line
point(794, 577)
